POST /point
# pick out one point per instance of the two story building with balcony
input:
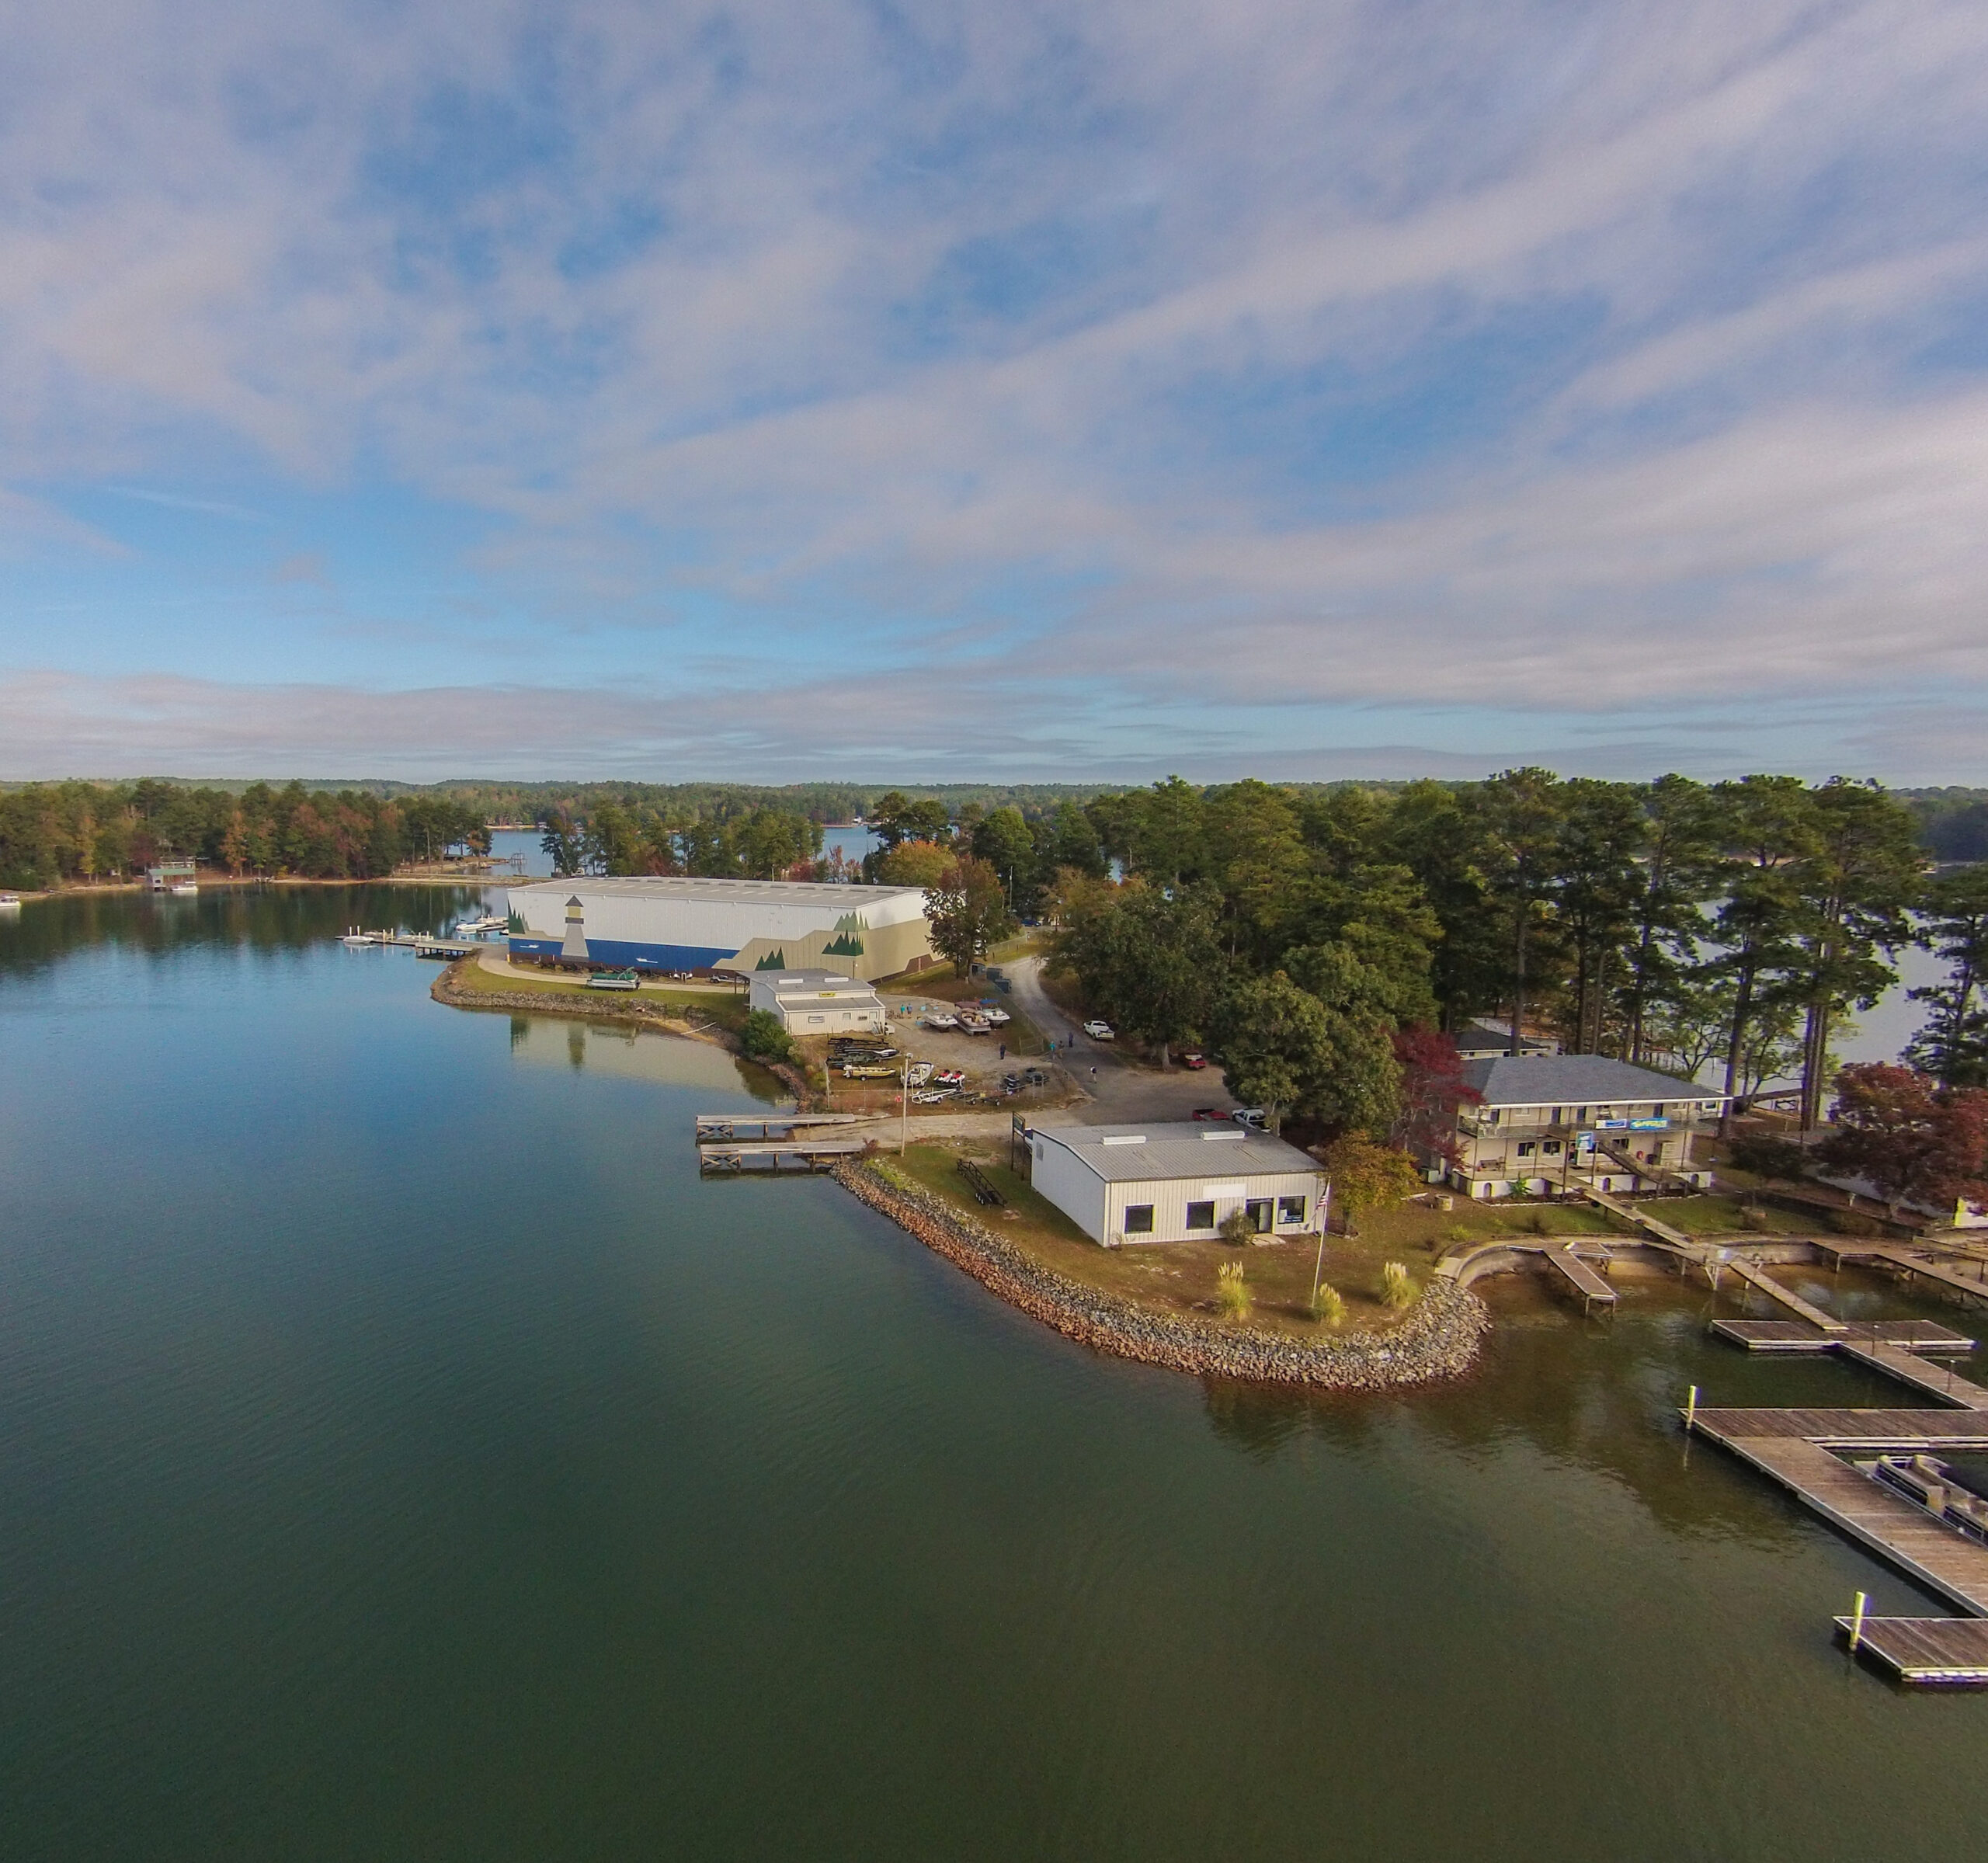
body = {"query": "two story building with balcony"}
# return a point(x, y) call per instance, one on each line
point(1546, 1123)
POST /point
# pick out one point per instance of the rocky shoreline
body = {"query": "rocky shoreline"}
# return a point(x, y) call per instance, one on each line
point(1440, 1338)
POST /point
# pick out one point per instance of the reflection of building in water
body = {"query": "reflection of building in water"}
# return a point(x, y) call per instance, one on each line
point(641, 1055)
point(735, 925)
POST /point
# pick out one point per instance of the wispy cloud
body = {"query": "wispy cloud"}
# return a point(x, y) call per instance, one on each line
point(1183, 368)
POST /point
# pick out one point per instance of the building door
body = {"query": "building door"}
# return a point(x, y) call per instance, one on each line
point(1258, 1209)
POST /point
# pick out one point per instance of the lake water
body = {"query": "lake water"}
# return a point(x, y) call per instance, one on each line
point(405, 1454)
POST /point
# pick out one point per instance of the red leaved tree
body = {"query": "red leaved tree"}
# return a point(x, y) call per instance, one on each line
point(1432, 1089)
point(1907, 1136)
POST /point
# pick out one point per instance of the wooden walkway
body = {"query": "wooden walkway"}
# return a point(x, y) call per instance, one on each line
point(1950, 1652)
point(1908, 1368)
point(1670, 1238)
point(1755, 1277)
point(728, 1128)
point(803, 1154)
point(1593, 1291)
point(1922, 1336)
point(1908, 1537)
point(1905, 1261)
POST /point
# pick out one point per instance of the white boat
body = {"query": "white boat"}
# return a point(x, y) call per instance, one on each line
point(939, 1019)
point(972, 1022)
point(358, 939)
point(10, 903)
point(185, 889)
point(997, 1016)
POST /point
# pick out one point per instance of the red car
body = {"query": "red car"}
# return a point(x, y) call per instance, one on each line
point(1213, 1114)
point(1194, 1058)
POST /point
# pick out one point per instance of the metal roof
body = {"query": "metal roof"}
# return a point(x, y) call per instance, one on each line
point(1179, 1149)
point(1574, 1080)
point(730, 892)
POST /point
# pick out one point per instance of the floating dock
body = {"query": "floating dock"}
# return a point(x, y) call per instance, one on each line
point(1756, 1276)
point(1930, 1651)
point(1922, 1335)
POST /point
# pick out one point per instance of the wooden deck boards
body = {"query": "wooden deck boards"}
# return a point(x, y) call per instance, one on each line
point(1952, 1651)
point(1793, 1336)
point(1904, 1430)
point(1584, 1281)
point(1938, 1556)
point(1908, 1368)
point(1755, 1277)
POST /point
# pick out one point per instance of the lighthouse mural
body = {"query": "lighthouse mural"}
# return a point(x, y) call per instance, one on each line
point(576, 931)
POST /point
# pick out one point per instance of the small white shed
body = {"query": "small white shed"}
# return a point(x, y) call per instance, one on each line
point(1174, 1182)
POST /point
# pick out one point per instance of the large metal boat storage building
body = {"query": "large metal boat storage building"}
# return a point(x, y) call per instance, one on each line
point(740, 925)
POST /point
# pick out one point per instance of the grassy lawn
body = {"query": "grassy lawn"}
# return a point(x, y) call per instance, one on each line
point(721, 1007)
point(1177, 1277)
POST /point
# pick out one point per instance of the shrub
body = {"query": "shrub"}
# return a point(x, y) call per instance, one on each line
point(764, 1039)
point(1237, 1229)
point(1397, 1288)
point(1456, 1232)
point(1329, 1304)
point(1768, 1157)
point(1232, 1291)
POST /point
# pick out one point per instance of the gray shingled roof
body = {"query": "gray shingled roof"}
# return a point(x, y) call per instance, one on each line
point(1574, 1080)
point(1180, 1149)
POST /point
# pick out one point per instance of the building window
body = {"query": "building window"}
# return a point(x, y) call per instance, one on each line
point(1290, 1209)
point(1139, 1219)
point(817, 1018)
point(1525, 1148)
point(1200, 1215)
point(1550, 1148)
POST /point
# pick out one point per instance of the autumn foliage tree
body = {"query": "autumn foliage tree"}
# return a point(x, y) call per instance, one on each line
point(968, 913)
point(1432, 1089)
point(1908, 1137)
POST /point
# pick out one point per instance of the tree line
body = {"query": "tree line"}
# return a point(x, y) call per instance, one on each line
point(56, 833)
point(1308, 934)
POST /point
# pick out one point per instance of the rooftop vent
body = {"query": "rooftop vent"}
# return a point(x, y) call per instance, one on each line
point(1126, 1138)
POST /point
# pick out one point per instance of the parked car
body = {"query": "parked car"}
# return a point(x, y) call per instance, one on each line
point(1209, 1114)
point(1194, 1058)
point(1251, 1116)
point(1100, 1031)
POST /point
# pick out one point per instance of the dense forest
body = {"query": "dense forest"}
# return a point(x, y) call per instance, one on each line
point(1316, 935)
point(51, 832)
point(1732, 925)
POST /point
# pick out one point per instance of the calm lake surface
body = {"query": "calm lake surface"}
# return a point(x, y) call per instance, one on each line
point(404, 1455)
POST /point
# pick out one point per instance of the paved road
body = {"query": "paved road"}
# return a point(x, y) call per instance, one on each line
point(1121, 1091)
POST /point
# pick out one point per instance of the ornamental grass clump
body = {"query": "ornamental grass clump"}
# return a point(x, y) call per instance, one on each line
point(1232, 1291)
point(1329, 1304)
point(1397, 1289)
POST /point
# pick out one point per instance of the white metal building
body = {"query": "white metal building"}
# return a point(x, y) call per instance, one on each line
point(1175, 1182)
point(816, 1002)
point(740, 925)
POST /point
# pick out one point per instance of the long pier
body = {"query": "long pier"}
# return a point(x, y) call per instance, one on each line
point(1905, 1261)
point(1793, 1336)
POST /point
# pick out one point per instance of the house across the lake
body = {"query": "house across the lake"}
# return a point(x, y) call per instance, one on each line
point(1548, 1122)
point(1174, 1182)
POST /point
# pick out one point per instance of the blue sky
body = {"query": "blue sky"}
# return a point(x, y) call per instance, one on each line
point(1286, 387)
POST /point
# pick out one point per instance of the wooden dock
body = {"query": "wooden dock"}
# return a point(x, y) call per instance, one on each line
point(778, 1155)
point(1908, 1367)
point(1930, 1651)
point(1795, 1336)
point(1789, 1447)
point(727, 1128)
point(1593, 1291)
point(1755, 1277)
point(1906, 1261)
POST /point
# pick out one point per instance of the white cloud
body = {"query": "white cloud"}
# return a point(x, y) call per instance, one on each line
point(1107, 351)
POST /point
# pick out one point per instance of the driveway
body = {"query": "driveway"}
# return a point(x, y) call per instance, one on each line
point(1121, 1092)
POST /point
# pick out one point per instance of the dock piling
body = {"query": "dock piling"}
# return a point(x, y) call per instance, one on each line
point(1857, 1622)
point(1691, 1410)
